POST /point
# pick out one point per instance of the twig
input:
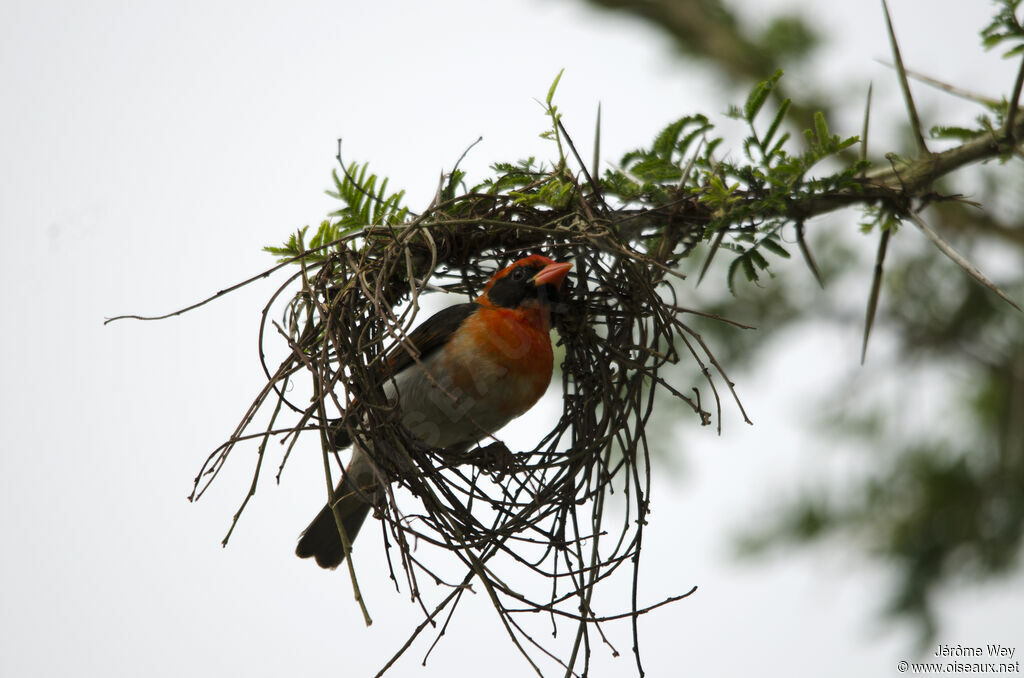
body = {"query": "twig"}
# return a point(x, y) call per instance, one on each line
point(958, 259)
point(945, 86)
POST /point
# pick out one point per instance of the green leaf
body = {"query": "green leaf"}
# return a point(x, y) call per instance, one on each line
point(821, 128)
point(757, 259)
point(666, 141)
point(554, 86)
point(748, 143)
point(774, 247)
point(747, 264)
point(846, 143)
point(730, 278)
point(777, 148)
point(758, 96)
point(951, 132)
point(712, 145)
point(773, 128)
point(702, 126)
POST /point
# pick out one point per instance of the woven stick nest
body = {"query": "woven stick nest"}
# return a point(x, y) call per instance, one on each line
point(509, 519)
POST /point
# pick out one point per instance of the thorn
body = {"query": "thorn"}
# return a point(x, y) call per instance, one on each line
point(711, 255)
point(690, 163)
point(959, 259)
point(865, 126)
point(915, 121)
point(1011, 113)
point(806, 251)
point(946, 87)
point(876, 287)
point(586, 173)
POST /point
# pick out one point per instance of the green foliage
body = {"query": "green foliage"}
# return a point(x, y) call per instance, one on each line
point(878, 217)
point(652, 175)
point(748, 202)
point(364, 204)
point(771, 181)
point(758, 96)
point(1005, 27)
point(510, 176)
point(328, 232)
point(551, 110)
point(749, 261)
point(787, 37)
point(942, 503)
point(530, 183)
point(953, 132)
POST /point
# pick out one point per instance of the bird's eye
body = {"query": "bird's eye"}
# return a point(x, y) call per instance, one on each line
point(518, 274)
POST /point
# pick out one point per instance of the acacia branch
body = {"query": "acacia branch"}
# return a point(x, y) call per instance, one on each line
point(904, 180)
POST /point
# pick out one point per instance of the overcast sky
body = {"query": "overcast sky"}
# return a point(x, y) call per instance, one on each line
point(148, 151)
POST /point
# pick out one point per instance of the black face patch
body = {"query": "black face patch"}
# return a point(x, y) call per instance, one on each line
point(517, 286)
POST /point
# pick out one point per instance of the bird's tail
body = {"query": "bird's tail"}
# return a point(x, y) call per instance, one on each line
point(321, 539)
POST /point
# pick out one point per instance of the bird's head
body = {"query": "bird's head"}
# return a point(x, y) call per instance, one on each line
point(532, 281)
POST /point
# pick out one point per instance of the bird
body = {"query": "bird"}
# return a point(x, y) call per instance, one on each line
point(479, 365)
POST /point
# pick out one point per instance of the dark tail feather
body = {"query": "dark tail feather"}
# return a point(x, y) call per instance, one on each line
point(321, 539)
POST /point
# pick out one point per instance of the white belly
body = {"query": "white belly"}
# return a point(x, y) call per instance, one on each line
point(440, 413)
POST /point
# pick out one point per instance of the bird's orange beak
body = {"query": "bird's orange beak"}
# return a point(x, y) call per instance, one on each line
point(552, 274)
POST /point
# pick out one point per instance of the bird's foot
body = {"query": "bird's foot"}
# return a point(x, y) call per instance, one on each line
point(494, 458)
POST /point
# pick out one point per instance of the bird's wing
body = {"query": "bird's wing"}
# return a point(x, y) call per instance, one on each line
point(429, 336)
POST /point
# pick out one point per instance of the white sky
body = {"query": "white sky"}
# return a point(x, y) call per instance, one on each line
point(147, 154)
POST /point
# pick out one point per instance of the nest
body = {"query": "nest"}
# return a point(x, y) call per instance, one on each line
point(529, 526)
